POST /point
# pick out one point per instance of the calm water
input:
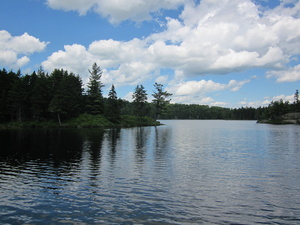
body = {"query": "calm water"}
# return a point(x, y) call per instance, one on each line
point(185, 172)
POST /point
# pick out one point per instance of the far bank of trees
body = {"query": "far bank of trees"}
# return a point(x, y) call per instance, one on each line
point(60, 96)
point(273, 111)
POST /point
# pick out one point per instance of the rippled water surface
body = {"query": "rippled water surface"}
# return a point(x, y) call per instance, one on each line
point(185, 172)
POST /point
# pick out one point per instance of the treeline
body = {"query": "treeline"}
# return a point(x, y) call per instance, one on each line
point(60, 96)
point(183, 111)
point(39, 96)
point(273, 111)
point(205, 112)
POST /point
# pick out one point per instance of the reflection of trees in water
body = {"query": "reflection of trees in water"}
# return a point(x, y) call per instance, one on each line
point(92, 151)
point(162, 140)
point(50, 145)
point(74, 150)
point(58, 148)
point(141, 136)
point(113, 136)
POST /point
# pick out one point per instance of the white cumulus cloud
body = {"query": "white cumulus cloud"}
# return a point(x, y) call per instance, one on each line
point(14, 50)
point(196, 91)
point(289, 75)
point(117, 10)
point(209, 37)
point(213, 37)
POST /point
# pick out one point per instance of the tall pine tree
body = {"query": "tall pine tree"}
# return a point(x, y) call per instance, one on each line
point(160, 99)
point(140, 100)
point(95, 98)
point(113, 106)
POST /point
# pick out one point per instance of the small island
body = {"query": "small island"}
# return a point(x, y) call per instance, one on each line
point(279, 112)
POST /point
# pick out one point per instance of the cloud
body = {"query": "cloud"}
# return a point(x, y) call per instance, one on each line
point(288, 75)
point(289, 98)
point(123, 63)
point(82, 6)
point(212, 37)
point(162, 79)
point(117, 10)
point(74, 58)
point(222, 37)
point(14, 51)
point(209, 37)
point(234, 85)
point(266, 101)
point(205, 86)
point(128, 96)
point(196, 91)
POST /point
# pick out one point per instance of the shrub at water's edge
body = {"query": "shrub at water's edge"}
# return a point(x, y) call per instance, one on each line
point(86, 121)
point(134, 121)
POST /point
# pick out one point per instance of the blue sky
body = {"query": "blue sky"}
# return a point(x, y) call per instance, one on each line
point(229, 53)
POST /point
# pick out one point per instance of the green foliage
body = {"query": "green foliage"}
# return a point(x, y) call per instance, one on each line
point(296, 97)
point(88, 120)
point(41, 99)
point(67, 100)
point(113, 106)
point(296, 105)
point(139, 100)
point(194, 111)
point(278, 108)
point(40, 92)
point(135, 121)
point(160, 99)
point(9, 102)
point(95, 98)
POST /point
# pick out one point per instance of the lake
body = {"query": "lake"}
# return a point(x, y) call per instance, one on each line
point(184, 172)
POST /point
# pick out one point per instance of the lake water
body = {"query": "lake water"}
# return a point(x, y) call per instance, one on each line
point(184, 172)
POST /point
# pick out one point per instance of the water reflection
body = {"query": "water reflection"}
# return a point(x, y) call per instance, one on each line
point(57, 147)
point(141, 136)
point(113, 136)
point(220, 172)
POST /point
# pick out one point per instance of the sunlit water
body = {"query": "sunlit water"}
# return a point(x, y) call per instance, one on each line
point(185, 172)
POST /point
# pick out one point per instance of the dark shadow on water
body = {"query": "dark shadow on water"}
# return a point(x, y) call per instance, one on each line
point(60, 147)
point(113, 136)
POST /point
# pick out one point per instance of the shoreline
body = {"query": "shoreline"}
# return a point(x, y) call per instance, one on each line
point(289, 118)
point(84, 121)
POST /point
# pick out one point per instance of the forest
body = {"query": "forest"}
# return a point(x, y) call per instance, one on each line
point(59, 97)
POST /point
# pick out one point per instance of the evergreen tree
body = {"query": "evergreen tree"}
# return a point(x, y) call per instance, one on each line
point(296, 97)
point(278, 108)
point(160, 99)
point(95, 98)
point(16, 97)
point(140, 100)
point(296, 101)
point(11, 95)
point(67, 99)
point(113, 106)
point(41, 89)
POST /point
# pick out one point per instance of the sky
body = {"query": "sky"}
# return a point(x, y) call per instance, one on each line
point(228, 53)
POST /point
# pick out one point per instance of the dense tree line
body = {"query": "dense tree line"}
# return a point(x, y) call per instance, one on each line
point(194, 111)
point(60, 96)
point(273, 111)
point(39, 96)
